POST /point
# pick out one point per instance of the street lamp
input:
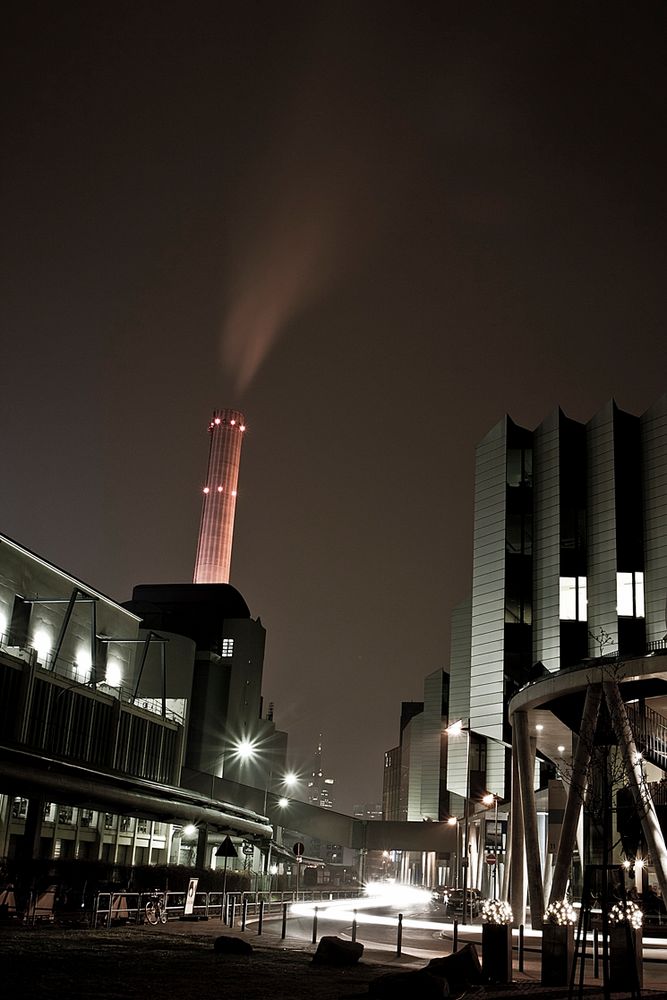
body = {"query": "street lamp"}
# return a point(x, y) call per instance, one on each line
point(492, 800)
point(454, 821)
point(457, 729)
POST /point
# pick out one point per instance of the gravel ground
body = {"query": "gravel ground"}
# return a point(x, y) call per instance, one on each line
point(178, 963)
point(125, 963)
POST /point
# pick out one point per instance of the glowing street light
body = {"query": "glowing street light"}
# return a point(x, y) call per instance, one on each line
point(492, 800)
point(246, 749)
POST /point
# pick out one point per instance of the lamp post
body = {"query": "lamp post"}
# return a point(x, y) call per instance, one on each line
point(454, 821)
point(488, 800)
point(457, 729)
point(250, 750)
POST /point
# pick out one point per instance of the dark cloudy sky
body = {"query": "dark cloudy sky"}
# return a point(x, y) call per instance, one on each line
point(374, 228)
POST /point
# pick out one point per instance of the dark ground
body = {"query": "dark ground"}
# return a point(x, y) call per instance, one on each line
point(124, 963)
point(179, 962)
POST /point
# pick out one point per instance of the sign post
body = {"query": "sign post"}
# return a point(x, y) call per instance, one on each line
point(298, 851)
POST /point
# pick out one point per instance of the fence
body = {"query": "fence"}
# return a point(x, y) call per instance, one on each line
point(130, 907)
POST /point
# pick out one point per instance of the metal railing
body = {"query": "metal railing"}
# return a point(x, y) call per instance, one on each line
point(650, 732)
point(79, 676)
point(130, 907)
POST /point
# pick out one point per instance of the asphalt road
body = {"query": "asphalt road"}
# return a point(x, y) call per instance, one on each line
point(425, 936)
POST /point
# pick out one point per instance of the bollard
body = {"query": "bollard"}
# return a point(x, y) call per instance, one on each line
point(520, 947)
point(244, 914)
point(260, 922)
point(596, 954)
point(284, 930)
point(455, 935)
point(315, 926)
point(232, 911)
point(354, 927)
point(399, 936)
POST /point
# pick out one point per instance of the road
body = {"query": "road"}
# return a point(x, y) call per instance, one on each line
point(424, 936)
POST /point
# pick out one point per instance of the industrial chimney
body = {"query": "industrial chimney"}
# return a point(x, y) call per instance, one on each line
point(216, 531)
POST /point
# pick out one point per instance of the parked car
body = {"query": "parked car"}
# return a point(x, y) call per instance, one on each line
point(454, 905)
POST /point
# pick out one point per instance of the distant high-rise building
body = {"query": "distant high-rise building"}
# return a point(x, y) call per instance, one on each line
point(320, 788)
point(368, 811)
point(216, 531)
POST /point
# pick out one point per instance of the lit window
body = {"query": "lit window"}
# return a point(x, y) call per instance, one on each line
point(114, 674)
point(42, 643)
point(227, 647)
point(573, 599)
point(83, 666)
point(630, 595)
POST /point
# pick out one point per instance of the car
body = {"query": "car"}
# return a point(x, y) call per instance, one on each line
point(452, 902)
point(440, 897)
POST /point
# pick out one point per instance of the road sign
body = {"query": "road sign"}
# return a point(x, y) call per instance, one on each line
point(490, 859)
point(226, 849)
point(298, 849)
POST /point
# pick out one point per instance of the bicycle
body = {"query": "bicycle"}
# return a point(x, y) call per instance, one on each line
point(156, 909)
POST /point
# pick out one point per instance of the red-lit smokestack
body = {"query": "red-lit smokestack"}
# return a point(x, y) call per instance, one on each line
point(216, 531)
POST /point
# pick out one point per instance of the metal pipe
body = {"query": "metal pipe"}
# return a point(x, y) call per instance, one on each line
point(136, 796)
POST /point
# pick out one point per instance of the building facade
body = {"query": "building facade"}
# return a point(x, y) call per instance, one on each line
point(569, 561)
point(97, 722)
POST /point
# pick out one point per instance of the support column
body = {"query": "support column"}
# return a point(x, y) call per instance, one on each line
point(576, 793)
point(202, 837)
point(517, 858)
point(30, 847)
point(643, 801)
point(531, 836)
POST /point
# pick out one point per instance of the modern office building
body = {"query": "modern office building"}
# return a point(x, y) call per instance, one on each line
point(216, 531)
point(569, 561)
point(569, 571)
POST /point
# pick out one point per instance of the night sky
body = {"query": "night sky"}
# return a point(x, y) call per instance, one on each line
point(374, 228)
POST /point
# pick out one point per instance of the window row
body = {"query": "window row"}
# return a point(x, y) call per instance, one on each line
point(629, 597)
